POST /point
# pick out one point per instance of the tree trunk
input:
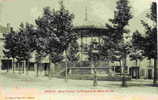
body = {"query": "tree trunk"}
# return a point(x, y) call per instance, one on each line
point(19, 67)
point(23, 67)
point(136, 62)
point(66, 68)
point(46, 69)
point(95, 75)
point(26, 65)
point(37, 69)
point(121, 67)
point(7, 66)
point(13, 65)
point(51, 68)
point(155, 73)
point(124, 83)
point(137, 70)
point(66, 73)
point(70, 70)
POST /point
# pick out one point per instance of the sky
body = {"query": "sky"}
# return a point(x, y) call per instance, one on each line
point(99, 11)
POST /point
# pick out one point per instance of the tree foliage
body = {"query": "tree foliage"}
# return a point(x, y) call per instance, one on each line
point(117, 28)
point(148, 42)
point(17, 44)
point(55, 31)
point(10, 44)
point(136, 53)
point(122, 15)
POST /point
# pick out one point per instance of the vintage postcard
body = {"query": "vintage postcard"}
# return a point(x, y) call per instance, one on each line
point(78, 50)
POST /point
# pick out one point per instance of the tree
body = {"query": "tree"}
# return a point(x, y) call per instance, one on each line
point(107, 50)
point(38, 44)
point(122, 15)
point(55, 28)
point(23, 50)
point(10, 45)
point(17, 45)
point(29, 32)
point(150, 39)
point(136, 53)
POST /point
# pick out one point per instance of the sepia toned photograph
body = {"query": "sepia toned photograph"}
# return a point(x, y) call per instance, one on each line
point(78, 50)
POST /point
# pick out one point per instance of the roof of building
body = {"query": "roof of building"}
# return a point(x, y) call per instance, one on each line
point(90, 30)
